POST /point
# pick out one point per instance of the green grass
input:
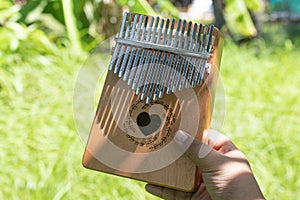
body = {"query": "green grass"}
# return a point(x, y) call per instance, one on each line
point(41, 151)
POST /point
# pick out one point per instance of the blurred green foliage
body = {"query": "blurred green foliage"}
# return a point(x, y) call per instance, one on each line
point(254, 5)
point(21, 43)
point(35, 11)
point(290, 6)
point(74, 19)
point(140, 6)
point(40, 149)
point(238, 19)
point(161, 7)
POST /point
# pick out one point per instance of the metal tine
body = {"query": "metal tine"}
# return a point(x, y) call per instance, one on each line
point(201, 49)
point(137, 55)
point(139, 67)
point(186, 60)
point(143, 65)
point(159, 86)
point(179, 24)
point(187, 45)
point(179, 63)
point(121, 33)
point(149, 31)
point(150, 90)
point(159, 78)
point(209, 41)
point(146, 83)
point(207, 49)
point(197, 64)
point(203, 61)
point(193, 62)
point(169, 62)
point(177, 78)
point(191, 67)
point(128, 47)
point(120, 57)
point(178, 75)
point(133, 51)
point(154, 79)
point(139, 78)
point(163, 68)
point(148, 76)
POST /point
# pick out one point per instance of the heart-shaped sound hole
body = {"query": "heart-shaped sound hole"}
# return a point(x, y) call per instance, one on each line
point(148, 124)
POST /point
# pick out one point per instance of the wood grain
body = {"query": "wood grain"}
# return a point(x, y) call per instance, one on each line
point(111, 124)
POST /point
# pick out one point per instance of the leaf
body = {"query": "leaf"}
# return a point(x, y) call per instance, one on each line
point(138, 6)
point(238, 19)
point(8, 12)
point(166, 5)
point(254, 5)
point(144, 7)
point(122, 2)
point(28, 8)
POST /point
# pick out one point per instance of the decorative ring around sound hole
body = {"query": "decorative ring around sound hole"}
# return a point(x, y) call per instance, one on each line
point(155, 127)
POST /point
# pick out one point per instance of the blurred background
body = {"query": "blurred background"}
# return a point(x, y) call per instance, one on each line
point(43, 44)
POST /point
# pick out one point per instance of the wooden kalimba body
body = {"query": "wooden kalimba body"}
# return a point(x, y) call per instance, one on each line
point(162, 78)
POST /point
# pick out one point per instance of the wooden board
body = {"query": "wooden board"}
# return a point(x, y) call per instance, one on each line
point(133, 139)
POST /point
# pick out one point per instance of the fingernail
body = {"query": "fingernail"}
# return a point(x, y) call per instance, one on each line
point(181, 137)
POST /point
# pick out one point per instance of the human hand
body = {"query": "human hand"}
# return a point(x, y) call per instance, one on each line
point(225, 170)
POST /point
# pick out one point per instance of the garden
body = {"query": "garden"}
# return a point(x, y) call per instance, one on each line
point(44, 45)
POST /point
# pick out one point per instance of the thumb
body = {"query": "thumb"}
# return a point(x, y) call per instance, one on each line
point(205, 157)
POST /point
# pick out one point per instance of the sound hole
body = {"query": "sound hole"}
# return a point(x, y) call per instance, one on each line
point(143, 119)
point(148, 124)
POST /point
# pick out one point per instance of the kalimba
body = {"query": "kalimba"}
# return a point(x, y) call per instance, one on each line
point(161, 78)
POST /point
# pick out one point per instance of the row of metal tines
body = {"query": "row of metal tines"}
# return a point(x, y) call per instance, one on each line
point(155, 55)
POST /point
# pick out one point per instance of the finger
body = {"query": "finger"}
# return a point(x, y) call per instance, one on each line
point(167, 193)
point(217, 140)
point(223, 144)
point(201, 154)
